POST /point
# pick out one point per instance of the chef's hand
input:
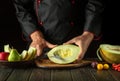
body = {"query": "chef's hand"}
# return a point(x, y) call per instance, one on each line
point(39, 42)
point(83, 41)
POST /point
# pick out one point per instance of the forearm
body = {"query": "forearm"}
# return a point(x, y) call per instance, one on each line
point(26, 15)
point(88, 34)
point(37, 35)
point(93, 20)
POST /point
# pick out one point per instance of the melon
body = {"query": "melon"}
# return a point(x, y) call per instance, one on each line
point(64, 54)
point(109, 53)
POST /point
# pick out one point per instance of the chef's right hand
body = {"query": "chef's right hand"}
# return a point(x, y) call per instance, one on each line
point(39, 42)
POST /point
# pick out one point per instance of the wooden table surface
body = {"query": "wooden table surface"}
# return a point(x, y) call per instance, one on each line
point(84, 73)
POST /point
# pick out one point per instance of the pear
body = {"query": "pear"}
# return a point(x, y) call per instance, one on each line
point(7, 48)
point(14, 56)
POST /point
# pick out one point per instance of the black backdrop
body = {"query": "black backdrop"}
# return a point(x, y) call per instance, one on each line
point(111, 22)
point(10, 31)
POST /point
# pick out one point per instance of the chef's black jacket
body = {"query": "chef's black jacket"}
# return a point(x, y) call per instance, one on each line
point(59, 20)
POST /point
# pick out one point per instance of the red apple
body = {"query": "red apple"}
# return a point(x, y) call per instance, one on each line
point(4, 55)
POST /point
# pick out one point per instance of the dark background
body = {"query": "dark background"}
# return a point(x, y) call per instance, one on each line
point(10, 32)
point(111, 22)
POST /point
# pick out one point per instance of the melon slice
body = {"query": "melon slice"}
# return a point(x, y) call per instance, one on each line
point(64, 54)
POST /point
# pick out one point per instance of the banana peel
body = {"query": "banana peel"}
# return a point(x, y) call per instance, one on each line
point(109, 53)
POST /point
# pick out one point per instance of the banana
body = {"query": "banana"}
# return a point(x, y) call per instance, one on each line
point(31, 53)
point(7, 48)
point(24, 54)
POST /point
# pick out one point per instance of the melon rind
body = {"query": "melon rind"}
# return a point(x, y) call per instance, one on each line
point(112, 49)
point(109, 53)
point(75, 50)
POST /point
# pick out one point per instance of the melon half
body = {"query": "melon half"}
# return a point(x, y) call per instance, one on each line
point(64, 54)
point(110, 53)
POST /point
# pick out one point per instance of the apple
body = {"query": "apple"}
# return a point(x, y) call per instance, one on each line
point(4, 56)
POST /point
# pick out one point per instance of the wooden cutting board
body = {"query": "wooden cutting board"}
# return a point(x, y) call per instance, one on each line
point(46, 63)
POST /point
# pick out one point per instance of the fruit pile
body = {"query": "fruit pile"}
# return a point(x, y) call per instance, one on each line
point(12, 55)
point(100, 66)
point(105, 66)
